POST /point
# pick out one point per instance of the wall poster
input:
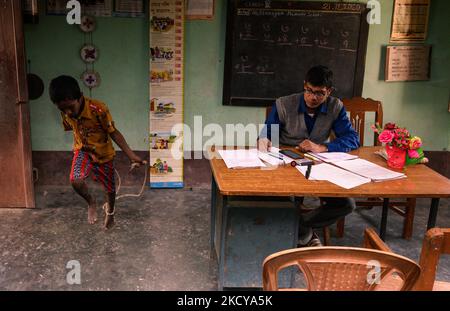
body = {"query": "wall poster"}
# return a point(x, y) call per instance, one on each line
point(166, 93)
point(408, 63)
point(410, 20)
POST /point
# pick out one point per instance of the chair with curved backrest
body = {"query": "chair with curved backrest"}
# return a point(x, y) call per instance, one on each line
point(357, 107)
point(341, 268)
point(435, 243)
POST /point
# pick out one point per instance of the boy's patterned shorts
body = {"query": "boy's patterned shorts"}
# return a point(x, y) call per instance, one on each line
point(82, 166)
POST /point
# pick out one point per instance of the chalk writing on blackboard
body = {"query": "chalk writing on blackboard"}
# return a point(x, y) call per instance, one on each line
point(271, 45)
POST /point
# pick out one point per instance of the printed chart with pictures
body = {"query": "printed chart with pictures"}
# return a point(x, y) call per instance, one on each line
point(165, 170)
point(166, 93)
point(165, 112)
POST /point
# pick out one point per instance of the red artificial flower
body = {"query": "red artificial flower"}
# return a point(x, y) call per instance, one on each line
point(390, 126)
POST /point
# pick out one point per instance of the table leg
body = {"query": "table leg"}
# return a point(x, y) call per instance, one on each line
point(433, 213)
point(384, 216)
point(223, 233)
point(213, 215)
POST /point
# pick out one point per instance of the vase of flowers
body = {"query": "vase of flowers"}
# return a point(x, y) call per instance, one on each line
point(396, 157)
point(401, 147)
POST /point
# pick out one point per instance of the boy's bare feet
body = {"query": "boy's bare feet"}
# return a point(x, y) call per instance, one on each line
point(109, 222)
point(92, 213)
point(109, 217)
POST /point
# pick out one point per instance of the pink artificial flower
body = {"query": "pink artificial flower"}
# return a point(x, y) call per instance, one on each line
point(386, 136)
point(415, 142)
point(413, 154)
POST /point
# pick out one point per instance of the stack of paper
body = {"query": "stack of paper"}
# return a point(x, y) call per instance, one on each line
point(332, 157)
point(277, 157)
point(370, 170)
point(241, 158)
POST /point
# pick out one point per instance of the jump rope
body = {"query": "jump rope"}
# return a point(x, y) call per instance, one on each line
point(118, 197)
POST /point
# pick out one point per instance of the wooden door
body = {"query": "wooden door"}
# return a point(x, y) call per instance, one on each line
point(16, 184)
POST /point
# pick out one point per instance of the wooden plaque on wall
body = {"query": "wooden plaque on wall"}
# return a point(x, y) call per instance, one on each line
point(408, 63)
point(199, 9)
point(410, 20)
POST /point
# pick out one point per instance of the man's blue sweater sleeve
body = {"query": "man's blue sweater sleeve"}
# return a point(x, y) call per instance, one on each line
point(346, 137)
point(272, 119)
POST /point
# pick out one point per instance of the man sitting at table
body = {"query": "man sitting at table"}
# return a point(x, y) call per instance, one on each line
point(305, 121)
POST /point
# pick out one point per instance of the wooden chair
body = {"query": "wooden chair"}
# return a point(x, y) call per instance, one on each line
point(357, 107)
point(340, 268)
point(435, 243)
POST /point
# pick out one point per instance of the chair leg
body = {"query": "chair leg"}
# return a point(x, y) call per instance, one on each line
point(326, 236)
point(340, 225)
point(408, 222)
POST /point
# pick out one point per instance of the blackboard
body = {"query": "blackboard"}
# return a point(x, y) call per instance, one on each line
point(270, 45)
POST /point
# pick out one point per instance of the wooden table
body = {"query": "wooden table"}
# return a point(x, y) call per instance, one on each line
point(286, 181)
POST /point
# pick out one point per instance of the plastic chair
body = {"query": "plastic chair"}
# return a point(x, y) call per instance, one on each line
point(341, 268)
point(435, 243)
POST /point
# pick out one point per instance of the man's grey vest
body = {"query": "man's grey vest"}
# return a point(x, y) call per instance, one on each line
point(293, 128)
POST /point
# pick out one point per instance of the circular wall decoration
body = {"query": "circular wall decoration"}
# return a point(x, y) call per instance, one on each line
point(89, 53)
point(88, 24)
point(91, 79)
point(35, 86)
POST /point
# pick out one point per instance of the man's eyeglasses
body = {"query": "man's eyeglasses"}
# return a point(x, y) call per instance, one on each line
point(317, 94)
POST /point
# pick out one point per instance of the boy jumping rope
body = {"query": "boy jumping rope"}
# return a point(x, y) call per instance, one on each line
point(93, 129)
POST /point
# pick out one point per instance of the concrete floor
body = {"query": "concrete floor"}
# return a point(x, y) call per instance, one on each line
point(160, 242)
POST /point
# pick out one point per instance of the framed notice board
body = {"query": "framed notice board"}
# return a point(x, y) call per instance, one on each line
point(408, 63)
point(270, 45)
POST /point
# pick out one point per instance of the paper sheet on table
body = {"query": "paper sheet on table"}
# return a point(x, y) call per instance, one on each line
point(335, 175)
point(370, 170)
point(332, 157)
point(241, 158)
point(271, 159)
point(302, 169)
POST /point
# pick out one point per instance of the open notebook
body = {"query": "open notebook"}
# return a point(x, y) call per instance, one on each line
point(332, 157)
point(351, 173)
point(335, 175)
point(369, 170)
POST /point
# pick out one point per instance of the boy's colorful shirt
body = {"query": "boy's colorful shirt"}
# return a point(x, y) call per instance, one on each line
point(91, 130)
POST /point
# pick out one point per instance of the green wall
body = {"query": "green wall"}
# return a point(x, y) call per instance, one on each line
point(53, 49)
point(420, 106)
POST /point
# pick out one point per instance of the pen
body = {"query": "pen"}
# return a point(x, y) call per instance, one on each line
point(308, 156)
point(308, 171)
point(275, 156)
